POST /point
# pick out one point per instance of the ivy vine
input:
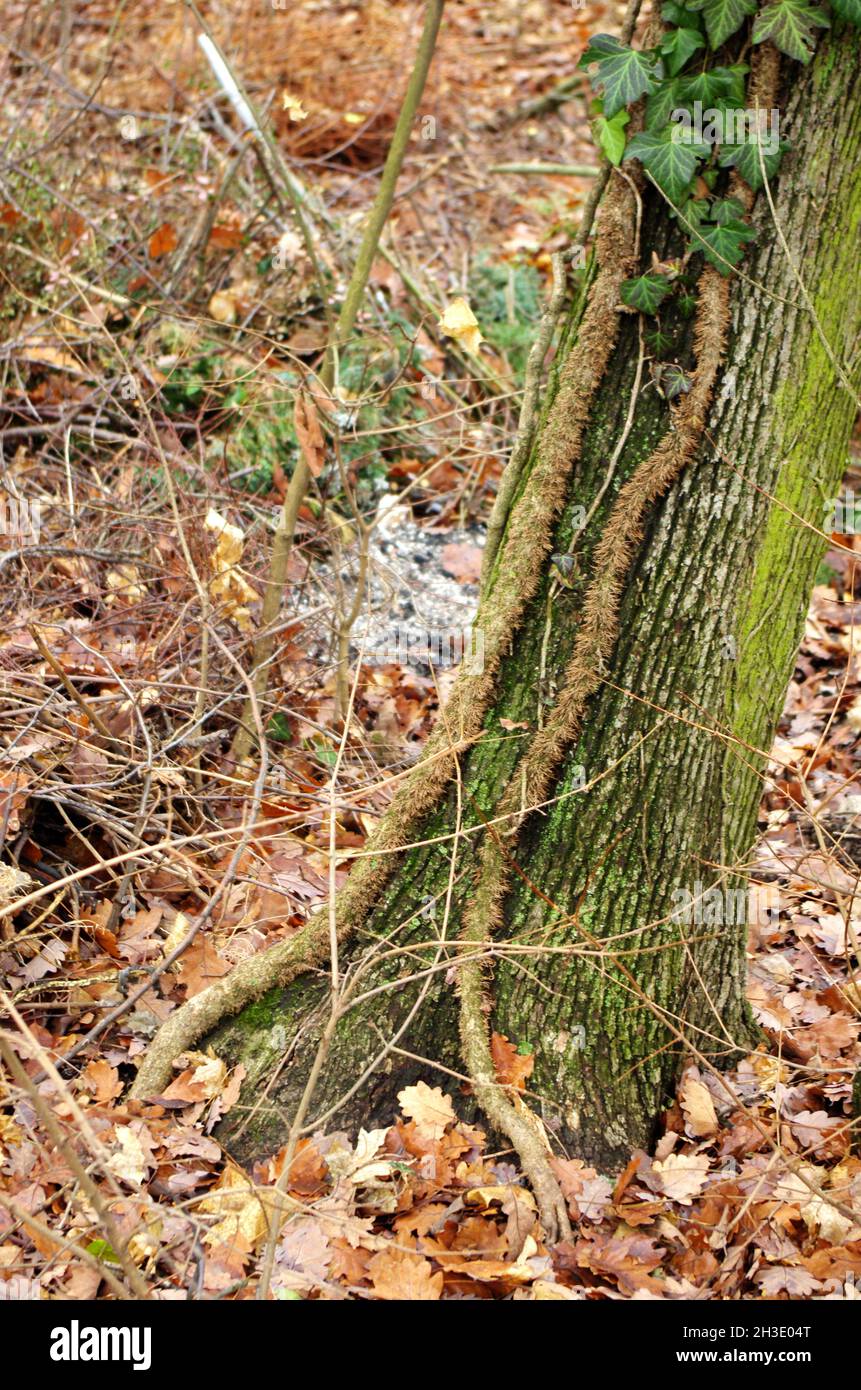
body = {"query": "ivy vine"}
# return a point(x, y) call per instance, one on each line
point(685, 157)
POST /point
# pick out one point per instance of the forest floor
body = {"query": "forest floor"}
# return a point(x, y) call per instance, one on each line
point(160, 309)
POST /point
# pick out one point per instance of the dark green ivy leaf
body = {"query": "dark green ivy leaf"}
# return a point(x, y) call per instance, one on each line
point(665, 99)
point(744, 156)
point(672, 13)
point(848, 9)
point(675, 382)
point(658, 342)
point(790, 25)
point(279, 728)
point(723, 245)
point(564, 564)
point(670, 379)
point(726, 210)
point(670, 159)
point(716, 125)
point(723, 17)
point(646, 292)
point(678, 46)
point(624, 74)
point(693, 214)
point(715, 86)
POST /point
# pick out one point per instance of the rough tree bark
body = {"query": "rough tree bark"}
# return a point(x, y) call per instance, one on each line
point(708, 615)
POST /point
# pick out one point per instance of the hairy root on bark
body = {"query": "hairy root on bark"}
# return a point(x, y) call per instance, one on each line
point(510, 1117)
point(250, 980)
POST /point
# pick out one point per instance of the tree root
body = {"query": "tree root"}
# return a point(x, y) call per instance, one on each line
point(250, 980)
point(526, 423)
point(510, 1117)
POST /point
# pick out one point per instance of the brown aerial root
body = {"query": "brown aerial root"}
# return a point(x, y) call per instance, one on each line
point(519, 457)
point(531, 781)
point(526, 543)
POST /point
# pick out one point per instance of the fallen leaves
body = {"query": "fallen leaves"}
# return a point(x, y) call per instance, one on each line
point(459, 322)
point(228, 587)
point(587, 1192)
point(203, 1078)
point(163, 240)
point(432, 1111)
point(628, 1259)
point(200, 965)
point(242, 1216)
point(293, 106)
point(462, 561)
point(130, 1158)
point(422, 1208)
point(40, 347)
point(397, 1274)
point(513, 1068)
point(306, 422)
point(681, 1177)
point(225, 238)
point(102, 1081)
point(698, 1107)
point(303, 1255)
point(797, 1283)
point(223, 307)
point(13, 799)
point(361, 1165)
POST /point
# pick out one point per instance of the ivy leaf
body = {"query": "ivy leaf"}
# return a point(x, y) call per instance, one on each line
point(744, 156)
point(735, 79)
point(723, 17)
point(670, 379)
point(675, 381)
point(624, 74)
point(672, 161)
point(693, 214)
point(716, 86)
point(848, 9)
point(662, 102)
point(673, 13)
point(646, 292)
point(678, 46)
point(723, 245)
point(726, 210)
point(279, 728)
point(659, 342)
point(737, 129)
point(790, 25)
point(717, 230)
point(610, 135)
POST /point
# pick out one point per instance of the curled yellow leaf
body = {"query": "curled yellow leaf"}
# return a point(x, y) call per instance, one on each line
point(460, 323)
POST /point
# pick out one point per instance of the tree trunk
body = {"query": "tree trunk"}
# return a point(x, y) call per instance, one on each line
point(659, 787)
